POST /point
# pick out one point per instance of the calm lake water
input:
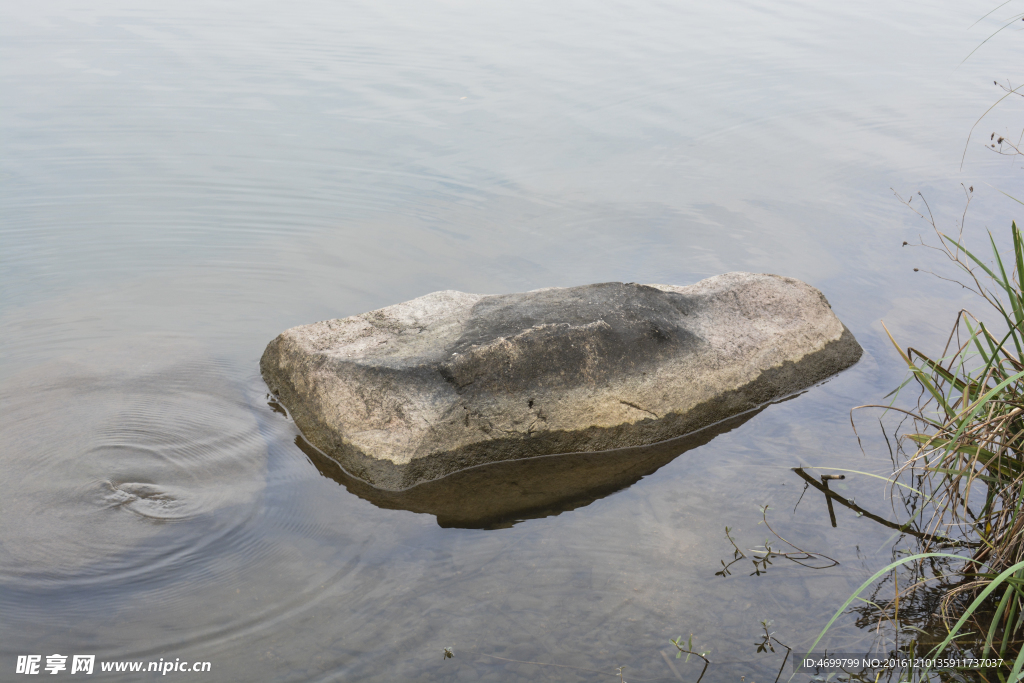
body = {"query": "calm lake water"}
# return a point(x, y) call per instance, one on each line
point(180, 182)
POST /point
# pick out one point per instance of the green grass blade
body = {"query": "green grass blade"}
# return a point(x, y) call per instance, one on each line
point(1018, 252)
point(922, 377)
point(1007, 285)
point(981, 264)
point(983, 401)
point(874, 577)
point(973, 607)
point(1003, 604)
point(1015, 672)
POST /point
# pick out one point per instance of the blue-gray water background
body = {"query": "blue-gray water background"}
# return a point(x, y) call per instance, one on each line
point(180, 182)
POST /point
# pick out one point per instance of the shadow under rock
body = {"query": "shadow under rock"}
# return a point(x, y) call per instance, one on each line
point(499, 495)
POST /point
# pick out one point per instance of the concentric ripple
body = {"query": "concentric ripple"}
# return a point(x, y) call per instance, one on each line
point(138, 494)
point(100, 456)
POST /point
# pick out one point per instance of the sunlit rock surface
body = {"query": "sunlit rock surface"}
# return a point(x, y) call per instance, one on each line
point(419, 390)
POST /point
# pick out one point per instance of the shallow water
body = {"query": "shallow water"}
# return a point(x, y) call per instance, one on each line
point(180, 182)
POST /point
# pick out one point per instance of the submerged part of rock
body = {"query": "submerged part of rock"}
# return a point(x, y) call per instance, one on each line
point(419, 390)
point(501, 494)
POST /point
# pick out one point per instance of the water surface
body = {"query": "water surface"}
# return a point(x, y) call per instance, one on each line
point(180, 182)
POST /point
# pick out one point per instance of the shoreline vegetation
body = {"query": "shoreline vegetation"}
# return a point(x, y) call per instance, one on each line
point(959, 595)
point(956, 607)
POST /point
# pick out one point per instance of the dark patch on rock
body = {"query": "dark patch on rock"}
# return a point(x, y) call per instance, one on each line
point(449, 381)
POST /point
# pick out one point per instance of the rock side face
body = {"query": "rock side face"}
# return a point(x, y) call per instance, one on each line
point(415, 391)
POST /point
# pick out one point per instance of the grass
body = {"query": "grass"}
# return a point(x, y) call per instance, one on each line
point(965, 452)
point(961, 592)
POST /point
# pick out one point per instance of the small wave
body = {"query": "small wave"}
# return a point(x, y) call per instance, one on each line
point(99, 459)
point(150, 500)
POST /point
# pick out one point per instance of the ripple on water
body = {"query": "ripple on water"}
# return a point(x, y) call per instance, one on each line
point(139, 504)
point(150, 500)
point(123, 465)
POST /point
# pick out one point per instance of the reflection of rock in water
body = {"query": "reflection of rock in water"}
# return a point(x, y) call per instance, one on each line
point(501, 494)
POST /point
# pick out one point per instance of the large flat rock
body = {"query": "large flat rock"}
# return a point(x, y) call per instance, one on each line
point(419, 390)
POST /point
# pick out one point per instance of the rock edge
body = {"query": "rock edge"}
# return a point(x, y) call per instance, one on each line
point(419, 390)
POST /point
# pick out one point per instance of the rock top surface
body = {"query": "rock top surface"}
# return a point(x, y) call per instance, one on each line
point(419, 390)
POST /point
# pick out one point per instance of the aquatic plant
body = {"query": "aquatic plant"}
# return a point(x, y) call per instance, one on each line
point(688, 650)
point(764, 554)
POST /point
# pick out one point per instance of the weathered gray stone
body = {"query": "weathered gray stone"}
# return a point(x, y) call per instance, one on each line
point(415, 391)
